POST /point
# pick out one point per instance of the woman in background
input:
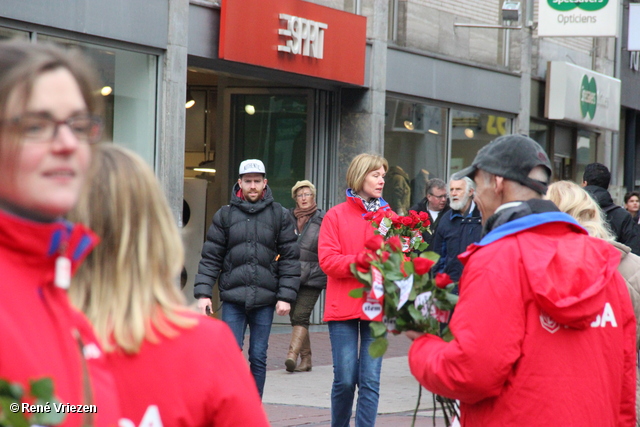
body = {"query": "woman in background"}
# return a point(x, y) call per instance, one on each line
point(307, 220)
point(48, 118)
point(570, 198)
point(343, 234)
point(170, 365)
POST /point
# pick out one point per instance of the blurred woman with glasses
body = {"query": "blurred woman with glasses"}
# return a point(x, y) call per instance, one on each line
point(307, 219)
point(47, 121)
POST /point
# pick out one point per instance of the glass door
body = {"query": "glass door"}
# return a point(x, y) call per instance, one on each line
point(274, 127)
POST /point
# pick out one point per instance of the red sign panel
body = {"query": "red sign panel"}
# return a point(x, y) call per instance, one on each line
point(294, 36)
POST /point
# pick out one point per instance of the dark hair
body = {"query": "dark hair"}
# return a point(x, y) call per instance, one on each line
point(630, 195)
point(435, 183)
point(597, 174)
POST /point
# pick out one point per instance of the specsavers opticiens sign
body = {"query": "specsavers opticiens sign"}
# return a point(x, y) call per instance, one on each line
point(593, 18)
point(582, 96)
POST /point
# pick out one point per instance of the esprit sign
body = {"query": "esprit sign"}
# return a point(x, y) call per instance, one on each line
point(567, 18)
point(582, 96)
point(294, 36)
point(304, 36)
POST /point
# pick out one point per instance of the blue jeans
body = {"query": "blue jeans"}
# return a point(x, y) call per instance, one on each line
point(353, 367)
point(259, 321)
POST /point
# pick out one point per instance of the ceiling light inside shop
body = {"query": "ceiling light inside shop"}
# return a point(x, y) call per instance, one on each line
point(409, 125)
point(250, 109)
point(190, 101)
point(106, 91)
point(469, 133)
point(435, 132)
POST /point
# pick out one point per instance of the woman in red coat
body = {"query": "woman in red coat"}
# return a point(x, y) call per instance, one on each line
point(47, 123)
point(171, 366)
point(342, 236)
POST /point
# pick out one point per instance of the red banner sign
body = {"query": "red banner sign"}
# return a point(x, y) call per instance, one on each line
point(294, 36)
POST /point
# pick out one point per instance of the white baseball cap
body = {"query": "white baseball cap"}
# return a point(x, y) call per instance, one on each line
point(251, 166)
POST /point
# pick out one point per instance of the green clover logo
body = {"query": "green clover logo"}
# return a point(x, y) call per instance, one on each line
point(586, 5)
point(588, 97)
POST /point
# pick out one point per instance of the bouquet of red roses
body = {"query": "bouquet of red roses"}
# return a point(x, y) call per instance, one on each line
point(409, 228)
point(399, 293)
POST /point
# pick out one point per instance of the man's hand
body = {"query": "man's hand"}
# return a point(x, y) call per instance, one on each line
point(413, 335)
point(203, 303)
point(283, 308)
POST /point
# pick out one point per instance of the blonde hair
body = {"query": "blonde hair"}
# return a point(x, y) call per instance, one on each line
point(569, 197)
point(360, 166)
point(126, 286)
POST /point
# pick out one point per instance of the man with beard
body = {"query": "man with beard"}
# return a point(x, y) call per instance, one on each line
point(458, 228)
point(252, 252)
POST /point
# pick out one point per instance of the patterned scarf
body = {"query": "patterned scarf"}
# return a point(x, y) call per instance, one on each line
point(303, 215)
point(370, 206)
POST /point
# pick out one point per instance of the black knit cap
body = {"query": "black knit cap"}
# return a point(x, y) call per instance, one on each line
point(511, 157)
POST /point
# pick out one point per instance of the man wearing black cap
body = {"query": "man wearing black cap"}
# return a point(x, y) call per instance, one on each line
point(544, 328)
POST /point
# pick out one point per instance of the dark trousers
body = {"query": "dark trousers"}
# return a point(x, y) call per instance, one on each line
point(302, 308)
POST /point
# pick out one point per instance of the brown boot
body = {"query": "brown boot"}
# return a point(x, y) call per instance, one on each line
point(305, 356)
point(297, 338)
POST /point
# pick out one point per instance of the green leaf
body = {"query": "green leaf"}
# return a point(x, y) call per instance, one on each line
point(430, 255)
point(42, 388)
point(356, 293)
point(422, 246)
point(49, 419)
point(16, 391)
point(379, 347)
point(446, 334)
point(408, 268)
point(452, 298)
point(9, 418)
point(378, 329)
point(394, 275)
point(415, 313)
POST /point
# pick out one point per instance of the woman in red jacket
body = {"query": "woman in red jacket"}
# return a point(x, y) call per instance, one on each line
point(342, 236)
point(47, 121)
point(171, 366)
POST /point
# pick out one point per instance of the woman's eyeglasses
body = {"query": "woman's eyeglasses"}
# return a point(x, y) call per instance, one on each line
point(303, 195)
point(41, 127)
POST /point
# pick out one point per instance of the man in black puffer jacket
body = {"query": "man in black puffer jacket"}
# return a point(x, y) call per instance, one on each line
point(596, 179)
point(252, 251)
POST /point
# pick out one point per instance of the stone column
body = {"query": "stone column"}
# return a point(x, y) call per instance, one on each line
point(362, 114)
point(171, 114)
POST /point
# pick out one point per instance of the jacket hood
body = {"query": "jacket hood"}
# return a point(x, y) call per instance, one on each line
point(571, 293)
point(247, 206)
point(600, 195)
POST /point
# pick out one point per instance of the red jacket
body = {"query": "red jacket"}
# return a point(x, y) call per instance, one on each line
point(544, 331)
point(41, 335)
point(342, 236)
point(196, 379)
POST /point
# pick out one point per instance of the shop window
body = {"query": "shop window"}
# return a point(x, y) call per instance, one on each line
point(585, 152)
point(9, 33)
point(129, 84)
point(272, 128)
point(470, 132)
point(415, 147)
point(539, 132)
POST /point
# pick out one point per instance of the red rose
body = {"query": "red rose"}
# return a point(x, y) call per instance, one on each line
point(424, 216)
point(422, 265)
point(374, 243)
point(442, 280)
point(395, 244)
point(384, 256)
point(369, 216)
point(363, 262)
point(406, 221)
point(413, 213)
